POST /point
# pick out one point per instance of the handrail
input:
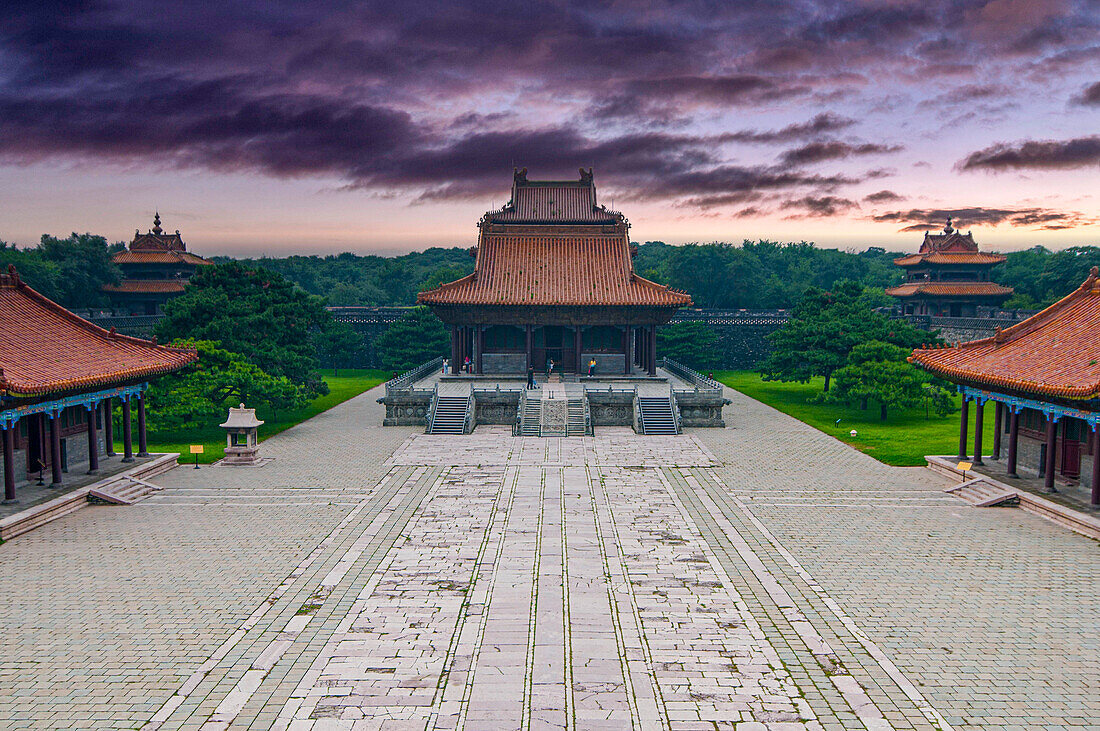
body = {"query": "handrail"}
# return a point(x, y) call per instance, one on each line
point(675, 412)
point(404, 382)
point(468, 417)
point(517, 426)
point(639, 423)
point(432, 409)
point(588, 430)
point(692, 376)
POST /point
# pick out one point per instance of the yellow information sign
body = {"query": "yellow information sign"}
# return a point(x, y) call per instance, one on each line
point(965, 466)
point(196, 449)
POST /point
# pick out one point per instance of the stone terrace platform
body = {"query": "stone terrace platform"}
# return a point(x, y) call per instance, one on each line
point(760, 576)
point(611, 397)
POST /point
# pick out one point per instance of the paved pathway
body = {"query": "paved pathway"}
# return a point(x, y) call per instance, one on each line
point(762, 576)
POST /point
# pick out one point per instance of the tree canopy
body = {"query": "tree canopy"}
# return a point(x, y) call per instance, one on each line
point(71, 271)
point(694, 344)
point(877, 371)
point(417, 337)
point(822, 330)
point(256, 313)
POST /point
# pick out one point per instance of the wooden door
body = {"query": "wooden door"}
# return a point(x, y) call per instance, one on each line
point(1071, 458)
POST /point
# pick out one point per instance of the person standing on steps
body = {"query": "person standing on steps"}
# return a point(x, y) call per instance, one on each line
point(592, 367)
point(549, 367)
point(530, 377)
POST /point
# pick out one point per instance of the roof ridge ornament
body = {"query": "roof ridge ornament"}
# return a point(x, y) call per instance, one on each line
point(156, 224)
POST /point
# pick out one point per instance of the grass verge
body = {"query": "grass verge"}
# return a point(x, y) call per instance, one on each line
point(348, 384)
point(902, 440)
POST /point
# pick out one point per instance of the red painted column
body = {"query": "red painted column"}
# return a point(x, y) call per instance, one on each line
point(127, 435)
point(93, 443)
point(652, 350)
point(1096, 466)
point(998, 427)
point(626, 350)
point(479, 346)
point(455, 365)
point(55, 449)
point(963, 413)
point(109, 425)
point(530, 360)
point(1013, 441)
point(577, 347)
point(1052, 445)
point(979, 427)
point(9, 464)
point(143, 442)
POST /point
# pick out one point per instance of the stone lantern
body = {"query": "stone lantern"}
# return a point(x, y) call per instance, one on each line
point(242, 440)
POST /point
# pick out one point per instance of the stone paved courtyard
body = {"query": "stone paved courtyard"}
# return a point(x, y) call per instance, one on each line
point(762, 576)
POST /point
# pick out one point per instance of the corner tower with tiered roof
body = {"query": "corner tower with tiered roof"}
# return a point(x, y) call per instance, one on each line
point(949, 277)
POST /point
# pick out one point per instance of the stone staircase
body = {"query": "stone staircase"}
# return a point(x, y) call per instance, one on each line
point(532, 413)
point(575, 425)
point(449, 415)
point(982, 494)
point(656, 415)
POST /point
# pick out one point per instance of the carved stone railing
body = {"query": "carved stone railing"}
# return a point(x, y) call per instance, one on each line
point(700, 383)
point(404, 384)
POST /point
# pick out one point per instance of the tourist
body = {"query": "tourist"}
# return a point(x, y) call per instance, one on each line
point(446, 365)
point(466, 364)
point(549, 367)
point(530, 377)
point(592, 367)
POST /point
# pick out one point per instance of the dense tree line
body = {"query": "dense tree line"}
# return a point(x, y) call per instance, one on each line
point(751, 275)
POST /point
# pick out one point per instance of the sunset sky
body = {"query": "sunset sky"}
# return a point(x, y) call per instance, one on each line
point(319, 127)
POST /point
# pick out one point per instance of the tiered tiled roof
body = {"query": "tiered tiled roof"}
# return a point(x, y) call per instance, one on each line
point(546, 201)
point(157, 247)
point(46, 349)
point(554, 269)
point(147, 286)
point(1054, 354)
point(949, 247)
point(962, 289)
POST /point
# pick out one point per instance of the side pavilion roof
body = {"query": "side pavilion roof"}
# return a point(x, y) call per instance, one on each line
point(1053, 354)
point(46, 349)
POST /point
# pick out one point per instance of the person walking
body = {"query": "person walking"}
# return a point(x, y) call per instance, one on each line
point(530, 377)
point(592, 367)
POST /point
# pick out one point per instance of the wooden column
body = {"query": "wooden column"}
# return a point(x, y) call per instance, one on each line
point(1052, 454)
point(127, 436)
point(979, 427)
point(626, 350)
point(1013, 441)
point(55, 449)
point(479, 346)
point(998, 427)
point(93, 443)
point(530, 355)
point(143, 442)
point(109, 425)
point(963, 412)
point(652, 350)
point(455, 360)
point(1095, 466)
point(577, 350)
point(9, 464)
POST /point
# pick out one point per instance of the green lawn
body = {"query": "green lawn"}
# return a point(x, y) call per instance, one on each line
point(902, 440)
point(349, 383)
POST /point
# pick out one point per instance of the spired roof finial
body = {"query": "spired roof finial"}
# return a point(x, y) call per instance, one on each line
point(948, 229)
point(156, 223)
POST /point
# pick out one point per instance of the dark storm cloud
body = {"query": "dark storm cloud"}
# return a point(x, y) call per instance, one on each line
point(931, 219)
point(1090, 96)
point(883, 196)
point(819, 206)
point(821, 124)
point(1082, 152)
point(814, 152)
point(441, 98)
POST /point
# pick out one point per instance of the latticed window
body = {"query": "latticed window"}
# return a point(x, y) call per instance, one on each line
point(602, 337)
point(505, 337)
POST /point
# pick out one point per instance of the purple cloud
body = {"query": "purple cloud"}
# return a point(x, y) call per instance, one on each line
point(1081, 152)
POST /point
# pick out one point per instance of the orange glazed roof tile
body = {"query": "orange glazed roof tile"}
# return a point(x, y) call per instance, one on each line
point(552, 201)
point(1055, 353)
point(157, 257)
point(46, 349)
point(146, 285)
point(967, 289)
point(554, 269)
point(950, 257)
